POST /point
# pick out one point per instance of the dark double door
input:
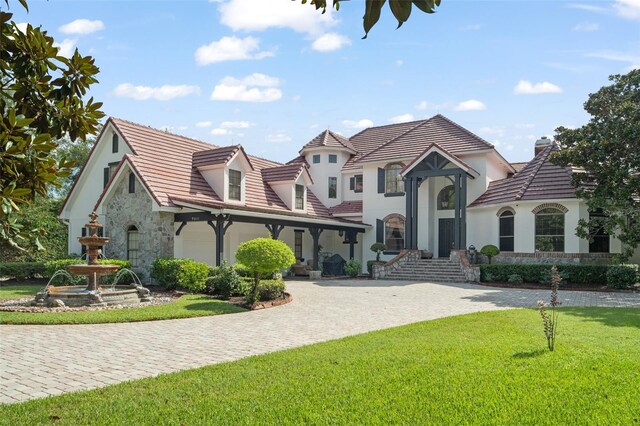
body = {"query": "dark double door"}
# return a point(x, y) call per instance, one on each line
point(446, 236)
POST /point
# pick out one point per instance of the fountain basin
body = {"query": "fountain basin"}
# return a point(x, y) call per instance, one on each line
point(77, 295)
point(88, 270)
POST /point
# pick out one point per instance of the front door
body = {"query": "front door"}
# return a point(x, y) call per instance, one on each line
point(445, 237)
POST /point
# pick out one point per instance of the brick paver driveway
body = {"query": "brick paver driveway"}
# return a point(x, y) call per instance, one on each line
point(37, 361)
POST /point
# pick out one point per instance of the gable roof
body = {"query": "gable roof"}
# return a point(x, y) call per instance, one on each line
point(288, 172)
point(434, 147)
point(163, 162)
point(538, 180)
point(218, 156)
point(329, 139)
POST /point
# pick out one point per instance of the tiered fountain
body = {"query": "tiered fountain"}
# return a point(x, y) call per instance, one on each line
point(94, 294)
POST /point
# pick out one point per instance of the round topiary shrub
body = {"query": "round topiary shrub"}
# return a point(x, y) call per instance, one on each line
point(378, 248)
point(490, 251)
point(263, 256)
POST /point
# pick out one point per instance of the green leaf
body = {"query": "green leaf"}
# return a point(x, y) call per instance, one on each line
point(372, 11)
point(401, 9)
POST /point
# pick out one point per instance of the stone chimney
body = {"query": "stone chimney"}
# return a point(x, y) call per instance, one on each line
point(541, 144)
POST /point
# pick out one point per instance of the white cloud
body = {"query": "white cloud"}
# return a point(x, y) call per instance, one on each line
point(525, 87)
point(471, 27)
point(493, 130)
point(231, 49)
point(360, 124)
point(628, 9)
point(421, 106)
point(162, 93)
point(66, 47)
point(330, 42)
point(253, 88)
point(631, 59)
point(278, 138)
point(204, 124)
point(259, 15)
point(587, 7)
point(82, 26)
point(220, 132)
point(236, 124)
point(401, 118)
point(399, 62)
point(470, 105)
point(587, 27)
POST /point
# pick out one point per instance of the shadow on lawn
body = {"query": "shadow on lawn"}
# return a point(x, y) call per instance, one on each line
point(530, 354)
point(615, 317)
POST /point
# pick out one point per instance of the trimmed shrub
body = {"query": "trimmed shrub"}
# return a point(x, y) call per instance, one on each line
point(573, 274)
point(186, 273)
point(515, 279)
point(224, 282)
point(621, 276)
point(23, 270)
point(242, 270)
point(352, 267)
point(490, 251)
point(271, 289)
point(378, 249)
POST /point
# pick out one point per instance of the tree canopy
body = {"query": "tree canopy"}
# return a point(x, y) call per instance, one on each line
point(401, 9)
point(606, 155)
point(42, 100)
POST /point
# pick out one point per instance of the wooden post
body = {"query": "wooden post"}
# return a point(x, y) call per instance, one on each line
point(220, 228)
point(408, 230)
point(274, 230)
point(315, 234)
point(456, 208)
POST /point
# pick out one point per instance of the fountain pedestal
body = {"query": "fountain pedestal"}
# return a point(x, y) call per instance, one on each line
point(93, 294)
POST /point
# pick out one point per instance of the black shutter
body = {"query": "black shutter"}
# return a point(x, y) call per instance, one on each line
point(132, 183)
point(352, 183)
point(380, 181)
point(105, 177)
point(379, 231)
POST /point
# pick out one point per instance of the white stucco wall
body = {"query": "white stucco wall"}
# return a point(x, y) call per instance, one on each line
point(321, 172)
point(89, 186)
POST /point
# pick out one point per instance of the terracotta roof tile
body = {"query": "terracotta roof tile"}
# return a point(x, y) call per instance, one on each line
point(329, 139)
point(214, 156)
point(347, 207)
point(538, 180)
point(519, 166)
point(287, 172)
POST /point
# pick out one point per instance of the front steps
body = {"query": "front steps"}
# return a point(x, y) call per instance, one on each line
point(432, 270)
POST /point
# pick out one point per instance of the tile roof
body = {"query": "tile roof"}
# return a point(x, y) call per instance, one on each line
point(288, 172)
point(538, 180)
point(163, 161)
point(329, 139)
point(519, 166)
point(347, 207)
point(215, 156)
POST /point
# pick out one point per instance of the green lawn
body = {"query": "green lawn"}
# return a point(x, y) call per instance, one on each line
point(192, 305)
point(486, 368)
point(18, 291)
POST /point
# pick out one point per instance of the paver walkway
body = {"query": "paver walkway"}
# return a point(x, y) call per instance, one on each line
point(36, 361)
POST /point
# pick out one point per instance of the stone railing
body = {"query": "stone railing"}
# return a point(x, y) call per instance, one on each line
point(380, 271)
point(471, 272)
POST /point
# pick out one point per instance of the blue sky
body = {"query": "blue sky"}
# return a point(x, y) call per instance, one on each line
point(270, 75)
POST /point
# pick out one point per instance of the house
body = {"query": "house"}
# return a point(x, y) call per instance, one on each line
point(427, 184)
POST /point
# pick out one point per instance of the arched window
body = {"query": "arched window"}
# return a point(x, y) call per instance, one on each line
point(599, 241)
point(132, 245)
point(393, 183)
point(446, 198)
point(550, 229)
point(506, 230)
point(114, 143)
point(394, 232)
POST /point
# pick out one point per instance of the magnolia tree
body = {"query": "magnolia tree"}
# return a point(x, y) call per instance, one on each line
point(264, 256)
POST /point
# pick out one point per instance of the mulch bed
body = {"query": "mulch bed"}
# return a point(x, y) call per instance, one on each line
point(239, 301)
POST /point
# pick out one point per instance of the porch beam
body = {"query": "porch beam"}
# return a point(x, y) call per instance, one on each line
point(182, 225)
point(274, 230)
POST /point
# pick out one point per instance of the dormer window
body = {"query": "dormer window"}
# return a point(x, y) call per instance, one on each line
point(235, 185)
point(300, 197)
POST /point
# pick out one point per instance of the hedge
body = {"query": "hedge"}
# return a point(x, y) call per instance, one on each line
point(573, 274)
point(186, 273)
point(31, 270)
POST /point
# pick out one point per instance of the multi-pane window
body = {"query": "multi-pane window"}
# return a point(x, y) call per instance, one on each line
point(133, 245)
point(358, 183)
point(599, 241)
point(550, 230)
point(506, 231)
point(446, 198)
point(392, 179)
point(333, 158)
point(333, 187)
point(235, 185)
point(297, 244)
point(316, 158)
point(394, 233)
point(114, 143)
point(300, 197)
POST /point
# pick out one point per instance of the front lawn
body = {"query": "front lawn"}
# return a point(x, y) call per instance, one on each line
point(486, 368)
point(191, 305)
point(18, 291)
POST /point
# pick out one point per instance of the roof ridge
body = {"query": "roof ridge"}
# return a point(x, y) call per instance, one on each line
point(543, 157)
point(162, 131)
point(324, 137)
point(420, 123)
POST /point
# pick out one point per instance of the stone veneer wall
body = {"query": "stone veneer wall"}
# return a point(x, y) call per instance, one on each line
point(547, 258)
point(471, 272)
point(380, 271)
point(155, 228)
